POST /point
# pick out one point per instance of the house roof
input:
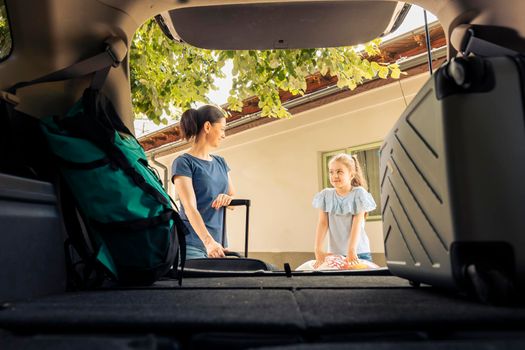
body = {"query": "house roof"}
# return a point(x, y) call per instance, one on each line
point(320, 90)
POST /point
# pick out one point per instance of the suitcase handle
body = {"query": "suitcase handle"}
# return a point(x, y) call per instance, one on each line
point(235, 254)
point(234, 203)
point(237, 202)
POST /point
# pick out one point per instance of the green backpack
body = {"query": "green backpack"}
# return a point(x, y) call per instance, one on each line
point(124, 207)
point(118, 217)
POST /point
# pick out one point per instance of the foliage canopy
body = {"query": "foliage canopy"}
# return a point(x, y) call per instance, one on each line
point(167, 75)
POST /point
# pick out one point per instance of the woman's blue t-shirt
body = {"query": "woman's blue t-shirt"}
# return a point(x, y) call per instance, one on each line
point(209, 178)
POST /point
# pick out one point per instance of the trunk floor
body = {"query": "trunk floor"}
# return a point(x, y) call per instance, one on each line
point(300, 305)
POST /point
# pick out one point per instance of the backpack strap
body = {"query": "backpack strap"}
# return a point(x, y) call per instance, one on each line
point(100, 64)
point(82, 268)
point(181, 236)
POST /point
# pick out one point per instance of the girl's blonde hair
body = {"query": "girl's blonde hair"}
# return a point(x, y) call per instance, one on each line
point(352, 163)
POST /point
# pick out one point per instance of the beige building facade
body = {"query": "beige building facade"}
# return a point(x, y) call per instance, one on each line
point(278, 167)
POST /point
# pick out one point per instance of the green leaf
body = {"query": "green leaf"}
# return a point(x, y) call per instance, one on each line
point(383, 72)
point(396, 73)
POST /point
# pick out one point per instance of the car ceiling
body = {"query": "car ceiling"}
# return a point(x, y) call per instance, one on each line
point(287, 25)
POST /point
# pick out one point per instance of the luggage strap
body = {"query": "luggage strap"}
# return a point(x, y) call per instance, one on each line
point(80, 240)
point(100, 64)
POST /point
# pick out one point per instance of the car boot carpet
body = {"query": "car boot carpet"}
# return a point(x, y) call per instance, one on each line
point(260, 305)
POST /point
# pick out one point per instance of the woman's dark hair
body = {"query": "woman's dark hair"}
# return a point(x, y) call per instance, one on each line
point(193, 120)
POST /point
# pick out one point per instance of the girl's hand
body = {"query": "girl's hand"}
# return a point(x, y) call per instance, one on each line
point(352, 258)
point(319, 258)
point(222, 200)
point(214, 249)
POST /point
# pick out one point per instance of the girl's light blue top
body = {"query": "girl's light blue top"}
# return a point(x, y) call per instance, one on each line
point(341, 210)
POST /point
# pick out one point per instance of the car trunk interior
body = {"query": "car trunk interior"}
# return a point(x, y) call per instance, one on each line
point(319, 311)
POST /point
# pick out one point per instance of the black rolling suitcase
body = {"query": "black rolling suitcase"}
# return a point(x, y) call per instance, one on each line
point(237, 262)
point(452, 173)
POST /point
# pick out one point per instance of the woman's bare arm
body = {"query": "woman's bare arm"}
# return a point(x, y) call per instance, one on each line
point(184, 188)
point(224, 199)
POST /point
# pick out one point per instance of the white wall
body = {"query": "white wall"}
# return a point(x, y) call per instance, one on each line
point(277, 165)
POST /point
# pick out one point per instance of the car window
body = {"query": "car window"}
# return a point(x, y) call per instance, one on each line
point(5, 33)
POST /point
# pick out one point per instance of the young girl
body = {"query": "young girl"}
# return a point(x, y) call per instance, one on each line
point(203, 182)
point(342, 211)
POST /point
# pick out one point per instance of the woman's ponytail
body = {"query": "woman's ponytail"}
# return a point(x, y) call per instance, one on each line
point(189, 123)
point(192, 120)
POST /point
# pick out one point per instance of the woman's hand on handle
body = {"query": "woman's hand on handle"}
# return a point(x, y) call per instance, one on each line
point(222, 200)
point(214, 249)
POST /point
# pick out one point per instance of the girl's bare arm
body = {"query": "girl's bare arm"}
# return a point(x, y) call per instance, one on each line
point(320, 234)
point(355, 231)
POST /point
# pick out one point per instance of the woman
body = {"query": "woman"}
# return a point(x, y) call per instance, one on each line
point(202, 182)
